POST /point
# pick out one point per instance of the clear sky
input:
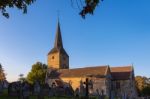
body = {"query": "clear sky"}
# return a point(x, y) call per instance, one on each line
point(118, 34)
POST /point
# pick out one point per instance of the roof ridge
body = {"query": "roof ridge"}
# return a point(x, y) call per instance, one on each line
point(123, 66)
point(90, 67)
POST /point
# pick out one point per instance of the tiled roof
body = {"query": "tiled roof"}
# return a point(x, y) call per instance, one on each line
point(117, 73)
point(121, 69)
point(121, 73)
point(55, 50)
point(81, 72)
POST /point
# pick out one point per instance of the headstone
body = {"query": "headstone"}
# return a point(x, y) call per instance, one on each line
point(81, 89)
point(50, 94)
point(1, 88)
point(84, 89)
point(45, 89)
point(18, 88)
point(77, 92)
point(25, 91)
point(5, 84)
point(98, 93)
point(69, 91)
point(37, 88)
point(87, 88)
point(40, 95)
point(102, 94)
point(12, 89)
point(53, 89)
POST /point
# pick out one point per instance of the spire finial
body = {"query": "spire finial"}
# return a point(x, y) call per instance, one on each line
point(58, 12)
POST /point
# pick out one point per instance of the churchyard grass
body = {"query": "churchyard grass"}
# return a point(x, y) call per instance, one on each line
point(35, 97)
point(32, 97)
point(5, 95)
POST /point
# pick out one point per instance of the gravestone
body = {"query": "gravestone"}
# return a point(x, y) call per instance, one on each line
point(77, 92)
point(100, 94)
point(1, 88)
point(82, 89)
point(45, 90)
point(53, 89)
point(68, 90)
point(13, 89)
point(37, 88)
point(50, 93)
point(25, 91)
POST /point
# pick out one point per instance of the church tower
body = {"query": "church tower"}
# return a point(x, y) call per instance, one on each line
point(57, 57)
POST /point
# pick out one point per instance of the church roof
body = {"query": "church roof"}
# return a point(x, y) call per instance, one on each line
point(61, 50)
point(58, 38)
point(121, 73)
point(83, 72)
point(121, 69)
point(58, 45)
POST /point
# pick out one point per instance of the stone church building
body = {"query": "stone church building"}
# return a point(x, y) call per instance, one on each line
point(107, 80)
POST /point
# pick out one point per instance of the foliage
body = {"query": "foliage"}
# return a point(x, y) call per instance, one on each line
point(37, 73)
point(22, 78)
point(2, 74)
point(88, 6)
point(143, 85)
point(20, 4)
point(146, 91)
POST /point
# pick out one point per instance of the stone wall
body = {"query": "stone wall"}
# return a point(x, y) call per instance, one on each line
point(59, 61)
point(98, 85)
point(126, 89)
point(74, 81)
point(53, 60)
point(64, 61)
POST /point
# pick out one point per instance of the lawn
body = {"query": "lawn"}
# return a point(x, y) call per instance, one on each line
point(4, 95)
point(33, 97)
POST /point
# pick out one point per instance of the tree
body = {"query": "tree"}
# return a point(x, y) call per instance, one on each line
point(146, 91)
point(20, 4)
point(143, 85)
point(22, 78)
point(2, 74)
point(87, 6)
point(37, 73)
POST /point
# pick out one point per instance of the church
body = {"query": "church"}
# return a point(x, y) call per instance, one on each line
point(110, 81)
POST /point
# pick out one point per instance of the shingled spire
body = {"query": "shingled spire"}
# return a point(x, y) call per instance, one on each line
point(58, 39)
point(57, 57)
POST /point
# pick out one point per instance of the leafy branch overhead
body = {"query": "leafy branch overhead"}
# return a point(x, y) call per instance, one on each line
point(20, 4)
point(87, 6)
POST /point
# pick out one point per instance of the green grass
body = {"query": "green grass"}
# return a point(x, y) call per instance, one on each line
point(33, 97)
point(5, 96)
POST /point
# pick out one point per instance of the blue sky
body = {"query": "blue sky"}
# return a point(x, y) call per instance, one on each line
point(118, 34)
